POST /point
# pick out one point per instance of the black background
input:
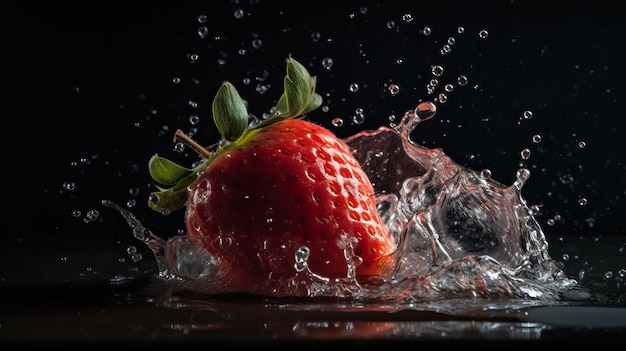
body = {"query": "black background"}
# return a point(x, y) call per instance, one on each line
point(94, 84)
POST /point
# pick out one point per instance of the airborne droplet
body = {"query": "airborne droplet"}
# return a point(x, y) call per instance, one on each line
point(425, 110)
point(394, 89)
point(437, 70)
point(327, 63)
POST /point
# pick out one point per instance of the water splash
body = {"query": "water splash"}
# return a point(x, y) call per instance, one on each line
point(460, 233)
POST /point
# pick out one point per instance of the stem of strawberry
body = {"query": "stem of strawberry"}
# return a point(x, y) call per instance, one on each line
point(183, 138)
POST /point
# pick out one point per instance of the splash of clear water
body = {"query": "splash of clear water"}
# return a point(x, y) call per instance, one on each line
point(460, 233)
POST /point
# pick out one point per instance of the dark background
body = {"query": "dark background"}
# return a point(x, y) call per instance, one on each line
point(95, 84)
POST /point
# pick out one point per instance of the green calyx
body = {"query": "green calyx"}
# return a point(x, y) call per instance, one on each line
point(232, 121)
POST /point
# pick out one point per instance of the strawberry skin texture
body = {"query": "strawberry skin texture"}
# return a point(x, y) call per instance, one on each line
point(292, 184)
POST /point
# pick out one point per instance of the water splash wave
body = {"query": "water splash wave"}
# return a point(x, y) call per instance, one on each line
point(460, 233)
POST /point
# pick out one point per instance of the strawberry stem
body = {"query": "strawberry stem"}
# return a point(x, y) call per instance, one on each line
point(183, 138)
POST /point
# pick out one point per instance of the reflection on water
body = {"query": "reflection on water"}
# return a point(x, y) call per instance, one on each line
point(500, 319)
point(146, 313)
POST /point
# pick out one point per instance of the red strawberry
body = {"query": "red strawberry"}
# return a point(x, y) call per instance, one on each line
point(273, 189)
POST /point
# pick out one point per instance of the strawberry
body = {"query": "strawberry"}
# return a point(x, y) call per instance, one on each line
point(276, 193)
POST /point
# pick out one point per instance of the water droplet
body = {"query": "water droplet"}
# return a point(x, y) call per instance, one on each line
point(225, 241)
point(131, 203)
point(301, 257)
point(566, 179)
point(354, 87)
point(238, 13)
point(153, 198)
point(327, 63)
point(483, 34)
point(202, 31)
point(436, 70)
point(134, 191)
point(536, 138)
point(358, 117)
point(261, 88)
point(337, 122)
point(425, 110)
point(462, 80)
point(69, 186)
point(582, 144)
point(179, 147)
point(443, 98)
point(582, 201)
point(445, 49)
point(394, 89)
point(527, 114)
point(137, 257)
point(426, 31)
point(525, 153)
point(92, 215)
point(407, 17)
point(485, 173)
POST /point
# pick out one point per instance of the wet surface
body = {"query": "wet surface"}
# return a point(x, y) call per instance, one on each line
point(85, 316)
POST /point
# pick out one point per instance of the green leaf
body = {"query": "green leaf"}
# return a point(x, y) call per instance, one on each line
point(229, 112)
point(282, 107)
point(166, 172)
point(297, 87)
point(315, 102)
point(168, 200)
